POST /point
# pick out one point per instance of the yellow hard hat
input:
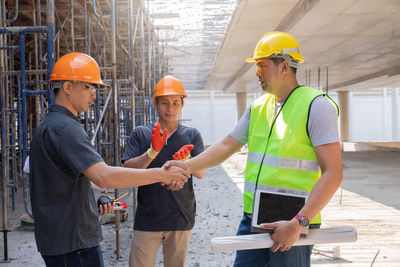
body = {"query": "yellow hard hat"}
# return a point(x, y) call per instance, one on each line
point(169, 85)
point(280, 45)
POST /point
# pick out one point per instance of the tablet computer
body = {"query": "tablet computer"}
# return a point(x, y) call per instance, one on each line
point(270, 206)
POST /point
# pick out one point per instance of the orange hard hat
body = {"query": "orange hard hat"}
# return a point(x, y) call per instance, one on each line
point(169, 85)
point(76, 67)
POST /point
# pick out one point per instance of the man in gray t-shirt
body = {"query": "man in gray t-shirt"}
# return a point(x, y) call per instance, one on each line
point(292, 134)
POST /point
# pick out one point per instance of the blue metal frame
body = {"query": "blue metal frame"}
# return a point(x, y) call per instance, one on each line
point(23, 93)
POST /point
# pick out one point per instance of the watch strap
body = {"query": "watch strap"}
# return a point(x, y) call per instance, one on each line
point(298, 217)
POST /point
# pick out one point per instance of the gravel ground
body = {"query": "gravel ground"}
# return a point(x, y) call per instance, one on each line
point(371, 184)
point(219, 209)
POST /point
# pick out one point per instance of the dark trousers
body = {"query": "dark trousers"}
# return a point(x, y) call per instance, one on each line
point(88, 257)
point(298, 256)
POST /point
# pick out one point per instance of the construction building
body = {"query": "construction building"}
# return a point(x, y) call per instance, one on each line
point(350, 49)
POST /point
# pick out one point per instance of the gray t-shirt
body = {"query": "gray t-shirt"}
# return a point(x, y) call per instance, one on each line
point(63, 203)
point(322, 124)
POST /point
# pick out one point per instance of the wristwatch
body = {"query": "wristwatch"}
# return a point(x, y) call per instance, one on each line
point(303, 220)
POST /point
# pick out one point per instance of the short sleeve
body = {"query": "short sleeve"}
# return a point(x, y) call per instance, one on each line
point(241, 130)
point(323, 122)
point(75, 149)
point(133, 147)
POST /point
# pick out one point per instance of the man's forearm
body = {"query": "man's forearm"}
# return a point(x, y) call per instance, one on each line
point(199, 173)
point(215, 154)
point(140, 162)
point(118, 177)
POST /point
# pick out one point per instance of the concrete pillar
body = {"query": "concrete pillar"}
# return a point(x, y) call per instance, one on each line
point(212, 117)
point(395, 115)
point(385, 119)
point(241, 103)
point(344, 115)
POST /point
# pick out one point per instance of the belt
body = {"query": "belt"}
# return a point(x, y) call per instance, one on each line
point(248, 215)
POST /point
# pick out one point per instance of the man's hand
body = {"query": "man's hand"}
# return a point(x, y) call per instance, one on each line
point(174, 173)
point(175, 186)
point(157, 141)
point(285, 234)
point(183, 153)
point(104, 209)
point(177, 163)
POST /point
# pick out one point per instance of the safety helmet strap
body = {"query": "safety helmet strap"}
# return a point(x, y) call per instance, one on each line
point(292, 62)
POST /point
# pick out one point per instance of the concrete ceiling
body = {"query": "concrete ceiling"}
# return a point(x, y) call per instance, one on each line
point(346, 44)
point(192, 32)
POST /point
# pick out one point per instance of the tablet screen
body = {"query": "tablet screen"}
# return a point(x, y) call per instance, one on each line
point(276, 207)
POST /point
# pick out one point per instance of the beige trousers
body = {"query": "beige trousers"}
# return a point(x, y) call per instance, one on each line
point(145, 245)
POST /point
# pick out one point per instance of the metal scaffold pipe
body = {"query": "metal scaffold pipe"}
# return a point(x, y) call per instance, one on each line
point(115, 112)
point(50, 42)
point(15, 15)
point(118, 34)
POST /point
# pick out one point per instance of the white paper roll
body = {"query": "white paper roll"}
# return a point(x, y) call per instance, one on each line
point(315, 236)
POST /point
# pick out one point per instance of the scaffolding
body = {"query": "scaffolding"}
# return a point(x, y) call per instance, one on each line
point(33, 35)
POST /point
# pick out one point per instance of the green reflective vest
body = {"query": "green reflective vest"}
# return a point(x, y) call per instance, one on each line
point(281, 154)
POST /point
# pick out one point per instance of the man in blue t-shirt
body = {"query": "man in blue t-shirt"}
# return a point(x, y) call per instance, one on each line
point(164, 214)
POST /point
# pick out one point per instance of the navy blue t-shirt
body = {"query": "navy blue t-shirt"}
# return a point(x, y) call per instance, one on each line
point(160, 209)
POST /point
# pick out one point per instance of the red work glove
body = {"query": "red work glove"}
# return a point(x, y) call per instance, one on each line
point(157, 141)
point(183, 153)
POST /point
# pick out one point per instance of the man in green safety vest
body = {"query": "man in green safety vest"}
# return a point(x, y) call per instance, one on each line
point(293, 144)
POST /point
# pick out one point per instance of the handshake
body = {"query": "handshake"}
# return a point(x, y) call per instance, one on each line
point(176, 172)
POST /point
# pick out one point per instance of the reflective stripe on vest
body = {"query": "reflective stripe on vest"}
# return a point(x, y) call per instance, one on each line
point(286, 163)
point(281, 154)
point(250, 187)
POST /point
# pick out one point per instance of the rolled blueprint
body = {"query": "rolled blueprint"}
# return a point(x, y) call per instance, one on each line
point(315, 236)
